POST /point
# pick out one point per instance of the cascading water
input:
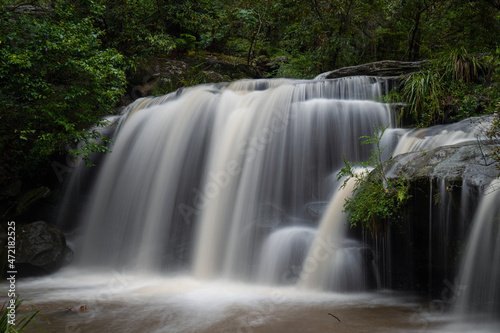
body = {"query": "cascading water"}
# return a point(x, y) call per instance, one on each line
point(283, 254)
point(440, 135)
point(444, 198)
point(480, 277)
point(200, 180)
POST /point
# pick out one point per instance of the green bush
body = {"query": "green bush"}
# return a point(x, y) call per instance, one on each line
point(454, 86)
point(376, 201)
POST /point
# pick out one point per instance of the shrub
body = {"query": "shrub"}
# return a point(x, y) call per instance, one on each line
point(376, 201)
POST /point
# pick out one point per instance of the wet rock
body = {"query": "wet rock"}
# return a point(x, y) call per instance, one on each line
point(158, 71)
point(445, 185)
point(41, 248)
point(270, 216)
point(79, 308)
point(316, 209)
point(214, 77)
point(463, 162)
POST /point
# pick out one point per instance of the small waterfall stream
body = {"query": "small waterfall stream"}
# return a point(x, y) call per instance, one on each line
point(480, 275)
point(334, 262)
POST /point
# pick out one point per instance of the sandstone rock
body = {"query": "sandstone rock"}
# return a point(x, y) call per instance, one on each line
point(445, 185)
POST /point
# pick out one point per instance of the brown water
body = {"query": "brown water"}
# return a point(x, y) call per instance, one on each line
point(119, 302)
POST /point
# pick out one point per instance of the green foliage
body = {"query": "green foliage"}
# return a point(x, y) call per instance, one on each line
point(376, 201)
point(301, 66)
point(420, 90)
point(459, 65)
point(160, 43)
point(185, 42)
point(55, 82)
point(454, 86)
point(21, 321)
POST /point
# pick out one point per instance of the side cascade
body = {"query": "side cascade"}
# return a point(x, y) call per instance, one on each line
point(445, 184)
point(479, 281)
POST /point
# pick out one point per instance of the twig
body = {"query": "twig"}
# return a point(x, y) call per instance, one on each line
point(483, 154)
point(335, 317)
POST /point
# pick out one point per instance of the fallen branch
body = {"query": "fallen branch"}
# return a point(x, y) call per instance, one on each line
point(335, 317)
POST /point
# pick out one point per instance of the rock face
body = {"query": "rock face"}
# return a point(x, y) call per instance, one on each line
point(425, 246)
point(41, 248)
point(382, 68)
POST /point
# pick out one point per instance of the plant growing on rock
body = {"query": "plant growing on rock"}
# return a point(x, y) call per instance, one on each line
point(376, 200)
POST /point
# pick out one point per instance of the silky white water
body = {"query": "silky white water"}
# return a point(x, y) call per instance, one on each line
point(199, 181)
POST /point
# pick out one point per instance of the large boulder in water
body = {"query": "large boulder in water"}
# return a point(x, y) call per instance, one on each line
point(40, 248)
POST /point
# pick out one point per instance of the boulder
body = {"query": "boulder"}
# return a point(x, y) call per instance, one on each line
point(159, 74)
point(157, 71)
point(41, 248)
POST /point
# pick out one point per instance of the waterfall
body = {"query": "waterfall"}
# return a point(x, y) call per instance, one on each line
point(219, 210)
point(443, 202)
point(283, 254)
point(209, 179)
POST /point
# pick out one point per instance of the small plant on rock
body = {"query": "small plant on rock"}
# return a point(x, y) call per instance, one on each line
point(376, 200)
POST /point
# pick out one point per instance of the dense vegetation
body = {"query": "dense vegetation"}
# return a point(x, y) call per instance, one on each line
point(454, 86)
point(64, 64)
